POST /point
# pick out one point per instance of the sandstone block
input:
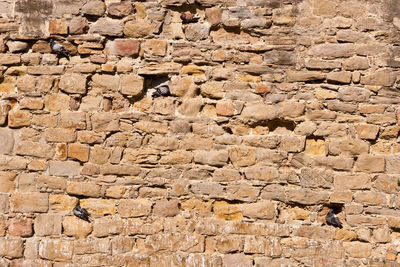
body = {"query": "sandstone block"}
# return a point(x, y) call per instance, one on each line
point(262, 173)
point(348, 147)
point(132, 85)
point(358, 249)
point(239, 259)
point(342, 77)
point(356, 63)
point(196, 204)
point(48, 224)
point(64, 168)
point(46, 70)
point(166, 208)
point(58, 26)
point(78, 25)
point(242, 192)
point(11, 247)
point(56, 102)
point(381, 78)
point(106, 26)
point(120, 9)
point(7, 143)
point(79, 152)
point(4, 108)
point(370, 163)
point(216, 158)
point(94, 8)
point(214, 15)
point(88, 189)
point(316, 64)
point(123, 47)
point(12, 163)
point(345, 235)
point(105, 82)
point(73, 120)
point(307, 196)
point(139, 28)
point(259, 112)
point(225, 108)
point(292, 144)
point(31, 103)
point(242, 156)
point(122, 169)
point(35, 149)
point(10, 59)
point(62, 202)
point(134, 207)
point(197, 31)
point(225, 211)
point(263, 209)
point(73, 83)
point(29, 202)
point(332, 51)
point(99, 206)
point(353, 182)
point(107, 226)
point(191, 106)
point(207, 188)
point(381, 235)
point(367, 131)
point(315, 147)
point(19, 118)
point(370, 198)
point(56, 249)
point(155, 47)
point(304, 76)
point(20, 227)
point(73, 226)
point(8, 84)
point(392, 164)
point(105, 122)
point(4, 203)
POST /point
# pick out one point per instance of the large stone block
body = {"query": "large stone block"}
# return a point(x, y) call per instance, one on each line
point(29, 202)
point(56, 249)
point(73, 83)
point(132, 85)
point(48, 224)
point(88, 189)
point(64, 168)
point(73, 226)
point(123, 47)
point(11, 247)
point(134, 207)
point(7, 140)
point(107, 26)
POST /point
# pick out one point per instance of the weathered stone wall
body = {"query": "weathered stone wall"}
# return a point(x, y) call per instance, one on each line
point(280, 111)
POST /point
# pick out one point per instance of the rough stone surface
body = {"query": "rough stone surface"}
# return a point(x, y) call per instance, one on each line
point(279, 111)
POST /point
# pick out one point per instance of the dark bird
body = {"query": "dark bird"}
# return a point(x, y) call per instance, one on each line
point(81, 213)
point(163, 90)
point(332, 219)
point(188, 17)
point(59, 49)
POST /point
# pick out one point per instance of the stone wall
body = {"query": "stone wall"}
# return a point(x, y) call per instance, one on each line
point(280, 111)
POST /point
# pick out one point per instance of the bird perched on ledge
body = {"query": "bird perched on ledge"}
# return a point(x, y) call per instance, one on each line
point(163, 91)
point(332, 219)
point(81, 213)
point(59, 49)
point(188, 17)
